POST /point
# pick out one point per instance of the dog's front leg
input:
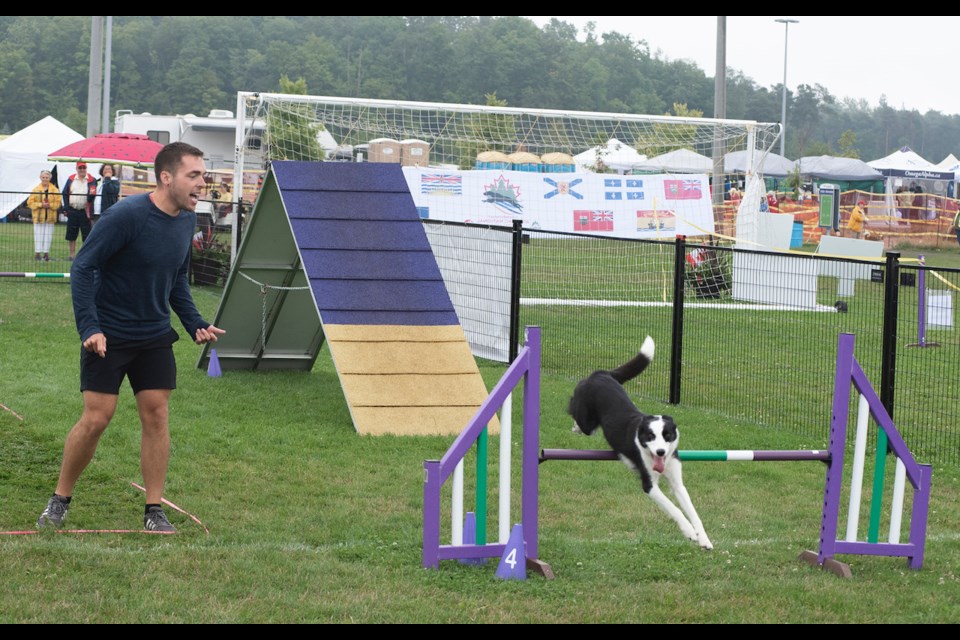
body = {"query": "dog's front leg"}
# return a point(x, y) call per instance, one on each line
point(674, 476)
point(671, 510)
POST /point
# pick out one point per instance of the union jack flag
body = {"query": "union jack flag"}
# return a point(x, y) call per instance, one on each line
point(682, 190)
point(441, 184)
point(586, 220)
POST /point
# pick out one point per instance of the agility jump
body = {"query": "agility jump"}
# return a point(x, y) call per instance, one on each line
point(526, 368)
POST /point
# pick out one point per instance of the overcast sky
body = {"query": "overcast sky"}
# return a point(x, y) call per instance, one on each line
point(908, 59)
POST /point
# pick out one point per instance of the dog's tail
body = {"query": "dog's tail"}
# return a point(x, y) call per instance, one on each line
point(633, 368)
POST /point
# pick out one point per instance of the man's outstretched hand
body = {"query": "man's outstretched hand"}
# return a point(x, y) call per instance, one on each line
point(208, 335)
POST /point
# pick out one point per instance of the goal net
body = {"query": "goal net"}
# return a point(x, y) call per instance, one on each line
point(634, 175)
point(588, 174)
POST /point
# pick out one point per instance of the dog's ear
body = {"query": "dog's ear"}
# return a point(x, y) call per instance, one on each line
point(670, 429)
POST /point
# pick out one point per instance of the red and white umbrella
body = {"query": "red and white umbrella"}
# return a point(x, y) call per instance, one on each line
point(132, 149)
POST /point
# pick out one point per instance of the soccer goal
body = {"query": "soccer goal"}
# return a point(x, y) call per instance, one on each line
point(636, 175)
point(586, 174)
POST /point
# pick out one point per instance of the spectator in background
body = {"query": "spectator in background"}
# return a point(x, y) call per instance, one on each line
point(79, 192)
point(772, 204)
point(108, 192)
point(918, 212)
point(956, 225)
point(857, 219)
point(904, 200)
point(44, 202)
point(224, 200)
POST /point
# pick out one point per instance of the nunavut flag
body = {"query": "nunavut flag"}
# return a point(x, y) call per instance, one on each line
point(586, 220)
point(682, 190)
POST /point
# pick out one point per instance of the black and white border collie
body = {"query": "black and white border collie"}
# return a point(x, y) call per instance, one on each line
point(647, 444)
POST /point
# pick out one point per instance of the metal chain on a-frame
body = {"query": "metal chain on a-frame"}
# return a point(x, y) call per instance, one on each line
point(264, 287)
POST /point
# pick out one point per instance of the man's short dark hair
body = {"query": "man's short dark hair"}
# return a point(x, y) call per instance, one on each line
point(171, 157)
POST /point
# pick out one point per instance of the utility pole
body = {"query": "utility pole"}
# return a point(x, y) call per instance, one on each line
point(95, 83)
point(719, 108)
point(108, 53)
point(783, 114)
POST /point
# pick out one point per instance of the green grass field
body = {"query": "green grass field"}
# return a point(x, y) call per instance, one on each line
point(310, 523)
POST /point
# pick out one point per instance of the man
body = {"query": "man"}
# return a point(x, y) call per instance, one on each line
point(79, 191)
point(126, 277)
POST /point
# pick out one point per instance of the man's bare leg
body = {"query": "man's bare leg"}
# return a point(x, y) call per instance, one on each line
point(153, 406)
point(81, 443)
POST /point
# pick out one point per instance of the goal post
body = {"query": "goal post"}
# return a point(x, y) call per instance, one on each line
point(456, 136)
point(586, 174)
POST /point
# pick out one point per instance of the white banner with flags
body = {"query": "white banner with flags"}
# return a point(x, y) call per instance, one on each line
point(626, 206)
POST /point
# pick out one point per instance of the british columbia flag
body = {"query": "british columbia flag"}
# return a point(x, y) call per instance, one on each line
point(441, 184)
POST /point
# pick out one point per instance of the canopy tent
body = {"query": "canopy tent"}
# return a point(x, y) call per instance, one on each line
point(950, 163)
point(678, 161)
point(906, 168)
point(903, 159)
point(774, 165)
point(615, 155)
point(846, 173)
point(836, 168)
point(23, 156)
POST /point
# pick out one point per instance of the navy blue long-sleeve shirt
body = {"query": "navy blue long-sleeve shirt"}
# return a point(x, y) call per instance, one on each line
point(132, 270)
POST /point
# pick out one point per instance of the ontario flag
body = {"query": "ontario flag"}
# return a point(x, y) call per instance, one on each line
point(584, 220)
point(682, 190)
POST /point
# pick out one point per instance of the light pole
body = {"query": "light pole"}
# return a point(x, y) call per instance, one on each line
point(783, 113)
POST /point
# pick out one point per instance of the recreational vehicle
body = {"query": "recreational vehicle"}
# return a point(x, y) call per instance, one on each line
point(215, 134)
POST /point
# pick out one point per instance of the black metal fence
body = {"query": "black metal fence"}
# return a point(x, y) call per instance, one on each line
point(751, 335)
point(212, 246)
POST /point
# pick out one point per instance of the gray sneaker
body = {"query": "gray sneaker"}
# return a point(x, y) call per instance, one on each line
point(156, 520)
point(54, 514)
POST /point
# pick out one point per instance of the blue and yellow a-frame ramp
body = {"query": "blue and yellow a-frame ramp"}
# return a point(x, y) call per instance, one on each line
point(337, 252)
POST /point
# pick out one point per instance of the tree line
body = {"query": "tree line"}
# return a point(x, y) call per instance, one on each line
point(193, 64)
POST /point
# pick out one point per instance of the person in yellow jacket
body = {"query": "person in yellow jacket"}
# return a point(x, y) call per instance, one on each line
point(44, 202)
point(857, 219)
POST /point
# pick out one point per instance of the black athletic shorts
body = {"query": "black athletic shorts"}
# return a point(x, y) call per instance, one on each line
point(77, 223)
point(147, 364)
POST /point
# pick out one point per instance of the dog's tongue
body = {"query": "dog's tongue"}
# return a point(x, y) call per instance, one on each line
point(658, 464)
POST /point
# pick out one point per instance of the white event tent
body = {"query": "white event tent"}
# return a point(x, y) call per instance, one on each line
point(24, 155)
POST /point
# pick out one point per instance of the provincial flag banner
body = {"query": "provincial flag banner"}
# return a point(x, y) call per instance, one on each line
point(662, 220)
point(682, 190)
point(585, 220)
point(626, 206)
point(620, 189)
point(439, 184)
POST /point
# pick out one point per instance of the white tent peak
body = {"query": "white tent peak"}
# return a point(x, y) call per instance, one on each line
point(950, 163)
point(679, 161)
point(23, 156)
point(616, 155)
point(773, 163)
point(901, 159)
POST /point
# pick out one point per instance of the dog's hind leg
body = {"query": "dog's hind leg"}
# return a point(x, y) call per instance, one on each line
point(674, 476)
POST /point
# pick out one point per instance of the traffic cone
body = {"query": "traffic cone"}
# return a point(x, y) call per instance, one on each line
point(213, 369)
point(470, 537)
point(513, 564)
